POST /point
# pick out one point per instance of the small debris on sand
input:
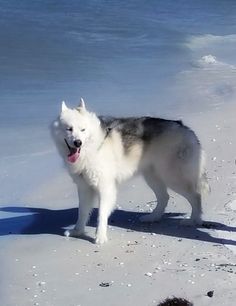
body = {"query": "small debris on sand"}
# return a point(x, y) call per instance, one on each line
point(210, 293)
point(105, 284)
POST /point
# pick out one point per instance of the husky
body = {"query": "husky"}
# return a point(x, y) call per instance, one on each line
point(101, 152)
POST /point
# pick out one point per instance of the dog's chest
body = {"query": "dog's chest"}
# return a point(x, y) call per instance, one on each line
point(92, 176)
point(89, 169)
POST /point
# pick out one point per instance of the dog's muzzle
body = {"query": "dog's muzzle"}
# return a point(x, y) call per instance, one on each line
point(74, 152)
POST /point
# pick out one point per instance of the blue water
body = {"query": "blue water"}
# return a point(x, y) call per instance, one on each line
point(123, 57)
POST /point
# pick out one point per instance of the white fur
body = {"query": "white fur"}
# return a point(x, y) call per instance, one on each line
point(103, 164)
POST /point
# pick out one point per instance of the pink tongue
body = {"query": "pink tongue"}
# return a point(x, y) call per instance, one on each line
point(73, 157)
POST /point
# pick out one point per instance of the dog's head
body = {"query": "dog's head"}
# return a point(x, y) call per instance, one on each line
point(71, 130)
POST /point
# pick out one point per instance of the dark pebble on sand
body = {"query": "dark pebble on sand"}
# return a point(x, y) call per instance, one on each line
point(210, 293)
point(104, 284)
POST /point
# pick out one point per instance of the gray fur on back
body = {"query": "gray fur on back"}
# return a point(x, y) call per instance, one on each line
point(135, 129)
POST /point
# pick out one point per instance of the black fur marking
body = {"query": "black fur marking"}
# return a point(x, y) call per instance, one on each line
point(154, 127)
point(130, 129)
point(137, 129)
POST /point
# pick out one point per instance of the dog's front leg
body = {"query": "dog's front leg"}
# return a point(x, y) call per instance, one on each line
point(107, 194)
point(86, 200)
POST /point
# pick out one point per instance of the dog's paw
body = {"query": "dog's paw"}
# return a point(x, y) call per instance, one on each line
point(101, 239)
point(149, 218)
point(73, 233)
point(191, 222)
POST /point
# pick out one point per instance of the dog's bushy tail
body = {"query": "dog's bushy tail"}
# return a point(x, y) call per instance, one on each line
point(203, 184)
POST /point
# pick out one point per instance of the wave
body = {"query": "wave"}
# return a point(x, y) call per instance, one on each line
point(211, 62)
point(208, 82)
point(202, 41)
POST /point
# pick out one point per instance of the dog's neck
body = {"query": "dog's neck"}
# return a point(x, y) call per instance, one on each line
point(107, 133)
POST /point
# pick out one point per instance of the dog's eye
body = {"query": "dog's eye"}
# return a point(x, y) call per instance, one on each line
point(82, 130)
point(70, 129)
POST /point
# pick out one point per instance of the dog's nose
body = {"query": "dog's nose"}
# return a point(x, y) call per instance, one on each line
point(78, 143)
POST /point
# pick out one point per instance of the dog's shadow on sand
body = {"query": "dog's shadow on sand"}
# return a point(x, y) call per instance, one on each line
point(33, 221)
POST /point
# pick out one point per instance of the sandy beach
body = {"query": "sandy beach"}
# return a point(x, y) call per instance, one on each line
point(169, 59)
point(141, 264)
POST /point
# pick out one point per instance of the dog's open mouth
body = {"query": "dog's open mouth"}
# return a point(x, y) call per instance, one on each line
point(73, 153)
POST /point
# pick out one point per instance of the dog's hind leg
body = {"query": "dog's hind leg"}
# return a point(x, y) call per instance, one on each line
point(194, 198)
point(107, 194)
point(86, 200)
point(190, 193)
point(160, 190)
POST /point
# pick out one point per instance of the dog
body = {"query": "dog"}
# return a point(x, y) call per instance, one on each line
point(101, 152)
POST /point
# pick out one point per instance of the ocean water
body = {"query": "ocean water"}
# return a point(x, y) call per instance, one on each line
point(157, 57)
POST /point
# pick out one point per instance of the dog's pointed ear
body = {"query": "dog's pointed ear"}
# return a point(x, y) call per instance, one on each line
point(82, 104)
point(63, 106)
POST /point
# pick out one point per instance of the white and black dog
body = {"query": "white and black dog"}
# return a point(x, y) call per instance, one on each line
point(100, 152)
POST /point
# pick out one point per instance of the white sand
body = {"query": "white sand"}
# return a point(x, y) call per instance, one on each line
point(141, 264)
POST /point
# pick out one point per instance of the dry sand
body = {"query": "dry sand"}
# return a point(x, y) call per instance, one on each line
point(141, 264)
